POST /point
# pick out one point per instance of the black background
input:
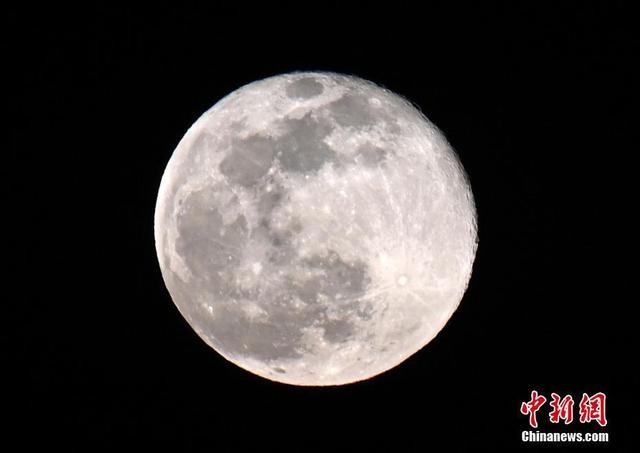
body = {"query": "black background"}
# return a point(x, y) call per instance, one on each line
point(540, 104)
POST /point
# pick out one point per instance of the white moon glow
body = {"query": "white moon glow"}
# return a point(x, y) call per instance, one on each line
point(315, 229)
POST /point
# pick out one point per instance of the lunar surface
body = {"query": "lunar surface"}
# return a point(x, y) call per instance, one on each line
point(315, 228)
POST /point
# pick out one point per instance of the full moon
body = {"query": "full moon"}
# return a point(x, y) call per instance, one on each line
point(315, 229)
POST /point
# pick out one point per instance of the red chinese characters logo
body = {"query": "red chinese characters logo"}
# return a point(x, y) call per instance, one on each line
point(532, 407)
point(562, 409)
point(592, 408)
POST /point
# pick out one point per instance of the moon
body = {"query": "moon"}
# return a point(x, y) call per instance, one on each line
point(315, 228)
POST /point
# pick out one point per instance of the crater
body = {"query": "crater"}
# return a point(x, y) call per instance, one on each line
point(370, 155)
point(304, 88)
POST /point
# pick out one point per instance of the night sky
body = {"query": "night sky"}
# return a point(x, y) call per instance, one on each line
point(541, 106)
